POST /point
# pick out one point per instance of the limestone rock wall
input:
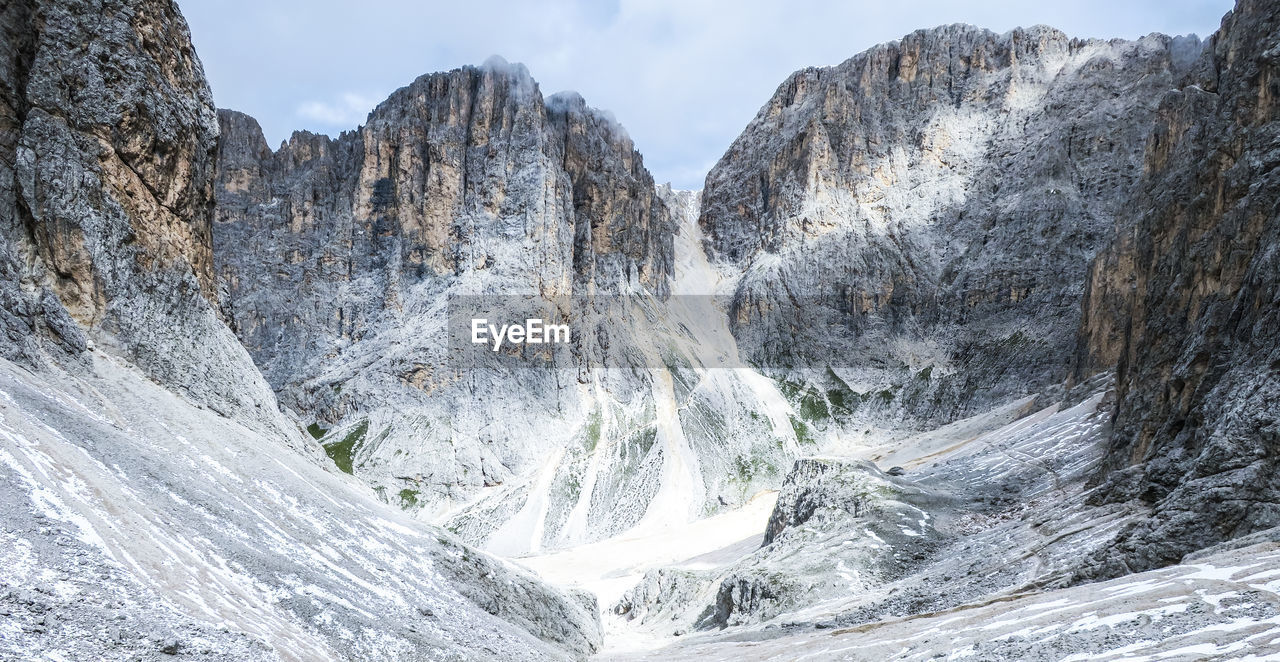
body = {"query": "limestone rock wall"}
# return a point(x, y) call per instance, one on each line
point(465, 172)
point(107, 158)
point(1184, 303)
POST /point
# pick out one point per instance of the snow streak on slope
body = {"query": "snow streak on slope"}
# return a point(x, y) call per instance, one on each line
point(646, 449)
point(694, 274)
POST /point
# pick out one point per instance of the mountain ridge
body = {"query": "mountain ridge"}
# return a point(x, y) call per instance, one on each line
point(1031, 276)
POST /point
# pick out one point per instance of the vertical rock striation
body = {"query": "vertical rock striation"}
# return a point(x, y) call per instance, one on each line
point(339, 253)
point(468, 172)
point(1184, 303)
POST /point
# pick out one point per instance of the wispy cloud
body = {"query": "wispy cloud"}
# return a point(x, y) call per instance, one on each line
point(345, 112)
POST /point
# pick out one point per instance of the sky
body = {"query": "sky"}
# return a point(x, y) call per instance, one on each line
point(684, 77)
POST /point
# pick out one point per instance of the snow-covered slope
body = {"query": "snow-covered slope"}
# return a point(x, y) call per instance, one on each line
point(658, 447)
point(135, 521)
point(970, 554)
point(742, 457)
point(156, 501)
point(847, 543)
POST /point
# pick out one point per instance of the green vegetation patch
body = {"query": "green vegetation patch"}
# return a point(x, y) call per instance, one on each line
point(316, 431)
point(803, 434)
point(789, 389)
point(643, 439)
point(342, 451)
point(815, 403)
point(408, 498)
point(813, 407)
point(842, 397)
point(591, 431)
point(747, 468)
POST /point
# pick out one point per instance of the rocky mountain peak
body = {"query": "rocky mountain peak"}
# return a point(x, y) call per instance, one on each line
point(462, 183)
point(935, 201)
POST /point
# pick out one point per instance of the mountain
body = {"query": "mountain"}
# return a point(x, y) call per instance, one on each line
point(1183, 303)
point(157, 501)
point(924, 214)
point(940, 225)
point(966, 348)
point(345, 258)
point(445, 172)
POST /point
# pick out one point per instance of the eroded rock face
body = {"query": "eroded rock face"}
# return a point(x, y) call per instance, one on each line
point(465, 172)
point(106, 199)
point(340, 256)
point(870, 528)
point(815, 485)
point(1185, 302)
point(921, 217)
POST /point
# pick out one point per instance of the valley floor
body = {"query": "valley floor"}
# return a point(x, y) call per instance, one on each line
point(610, 567)
point(137, 524)
point(989, 575)
point(1224, 606)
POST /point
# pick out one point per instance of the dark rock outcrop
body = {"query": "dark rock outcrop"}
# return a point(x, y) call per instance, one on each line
point(1186, 303)
point(814, 485)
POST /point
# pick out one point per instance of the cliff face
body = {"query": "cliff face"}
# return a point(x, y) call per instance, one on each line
point(106, 200)
point(340, 258)
point(463, 173)
point(920, 218)
point(1184, 302)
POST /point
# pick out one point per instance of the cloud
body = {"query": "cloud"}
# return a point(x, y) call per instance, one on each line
point(348, 111)
point(683, 76)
